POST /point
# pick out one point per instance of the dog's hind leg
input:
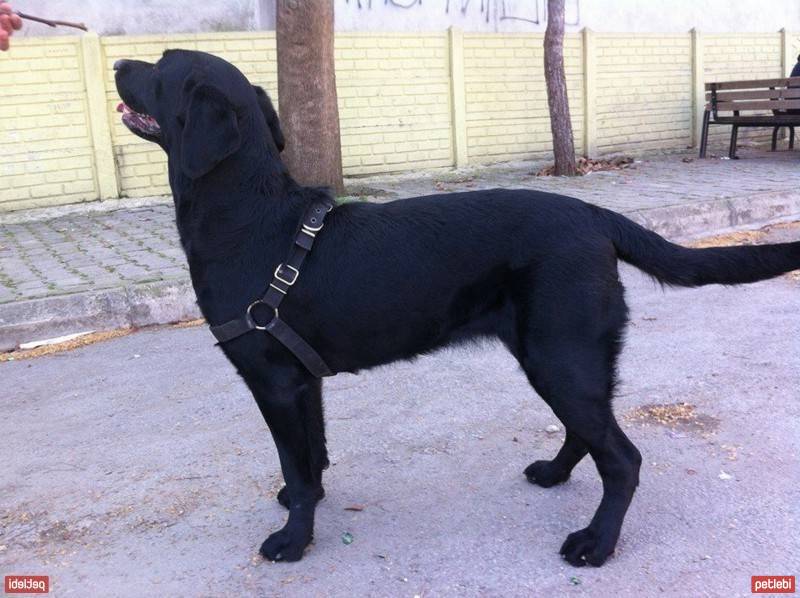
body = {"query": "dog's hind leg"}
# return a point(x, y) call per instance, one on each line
point(569, 378)
point(618, 462)
point(557, 471)
point(569, 349)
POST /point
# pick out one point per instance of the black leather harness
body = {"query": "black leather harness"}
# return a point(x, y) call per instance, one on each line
point(286, 274)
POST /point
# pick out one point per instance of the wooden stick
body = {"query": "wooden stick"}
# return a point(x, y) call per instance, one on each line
point(50, 22)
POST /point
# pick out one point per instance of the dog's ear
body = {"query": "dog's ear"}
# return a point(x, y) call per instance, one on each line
point(210, 131)
point(271, 117)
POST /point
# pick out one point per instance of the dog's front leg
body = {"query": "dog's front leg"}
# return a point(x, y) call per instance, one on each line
point(290, 401)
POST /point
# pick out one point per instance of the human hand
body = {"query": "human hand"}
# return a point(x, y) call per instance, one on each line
point(9, 22)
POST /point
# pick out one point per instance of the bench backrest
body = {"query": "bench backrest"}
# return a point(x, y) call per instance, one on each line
point(761, 94)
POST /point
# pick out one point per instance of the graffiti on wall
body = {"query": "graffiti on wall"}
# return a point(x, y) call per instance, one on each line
point(517, 10)
point(501, 9)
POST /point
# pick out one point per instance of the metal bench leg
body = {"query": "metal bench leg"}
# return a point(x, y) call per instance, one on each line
point(791, 137)
point(775, 138)
point(704, 135)
point(734, 135)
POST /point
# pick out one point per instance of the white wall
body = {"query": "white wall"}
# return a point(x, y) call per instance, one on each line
point(169, 16)
point(117, 17)
point(601, 15)
point(675, 16)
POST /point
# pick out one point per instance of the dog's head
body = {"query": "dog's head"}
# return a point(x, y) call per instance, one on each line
point(199, 108)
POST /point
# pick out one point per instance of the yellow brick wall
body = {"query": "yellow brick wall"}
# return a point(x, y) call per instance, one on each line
point(394, 102)
point(644, 92)
point(398, 109)
point(507, 115)
point(729, 57)
point(45, 140)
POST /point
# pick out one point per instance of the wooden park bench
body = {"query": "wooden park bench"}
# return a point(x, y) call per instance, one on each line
point(759, 103)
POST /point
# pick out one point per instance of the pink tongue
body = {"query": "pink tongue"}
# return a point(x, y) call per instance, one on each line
point(121, 107)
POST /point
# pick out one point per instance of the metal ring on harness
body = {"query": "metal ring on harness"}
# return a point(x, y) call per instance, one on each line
point(252, 319)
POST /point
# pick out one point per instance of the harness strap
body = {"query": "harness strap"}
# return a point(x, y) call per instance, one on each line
point(301, 349)
point(284, 277)
point(235, 328)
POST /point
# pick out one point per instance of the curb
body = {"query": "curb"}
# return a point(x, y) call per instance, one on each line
point(173, 300)
point(135, 306)
point(713, 216)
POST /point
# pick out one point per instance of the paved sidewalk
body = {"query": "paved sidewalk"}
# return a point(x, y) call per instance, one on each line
point(85, 267)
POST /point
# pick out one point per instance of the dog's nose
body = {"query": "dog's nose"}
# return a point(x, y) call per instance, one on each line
point(119, 64)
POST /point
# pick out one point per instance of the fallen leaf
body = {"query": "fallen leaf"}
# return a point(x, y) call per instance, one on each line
point(589, 165)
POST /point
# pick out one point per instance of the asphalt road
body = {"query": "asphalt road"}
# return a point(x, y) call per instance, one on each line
point(141, 467)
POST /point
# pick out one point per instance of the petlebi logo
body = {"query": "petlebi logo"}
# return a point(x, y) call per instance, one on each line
point(772, 584)
point(27, 584)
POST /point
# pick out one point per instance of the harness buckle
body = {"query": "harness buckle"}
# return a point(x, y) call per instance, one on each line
point(250, 307)
point(312, 229)
point(295, 273)
point(309, 232)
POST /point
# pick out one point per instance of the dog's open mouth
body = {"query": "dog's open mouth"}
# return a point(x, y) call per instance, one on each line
point(143, 125)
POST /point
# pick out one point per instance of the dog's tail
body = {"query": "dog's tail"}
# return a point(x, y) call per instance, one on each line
point(683, 266)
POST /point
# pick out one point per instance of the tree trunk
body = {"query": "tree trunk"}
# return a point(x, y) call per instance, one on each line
point(557, 100)
point(308, 109)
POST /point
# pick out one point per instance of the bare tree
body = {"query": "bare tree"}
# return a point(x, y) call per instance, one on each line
point(557, 100)
point(307, 92)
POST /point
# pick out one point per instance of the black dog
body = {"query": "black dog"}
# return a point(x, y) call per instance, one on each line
point(387, 282)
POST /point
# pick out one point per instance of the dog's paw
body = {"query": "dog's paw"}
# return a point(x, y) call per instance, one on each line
point(284, 546)
point(545, 474)
point(283, 496)
point(586, 547)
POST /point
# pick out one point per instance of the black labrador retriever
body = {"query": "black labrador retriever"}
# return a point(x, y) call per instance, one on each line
point(391, 281)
